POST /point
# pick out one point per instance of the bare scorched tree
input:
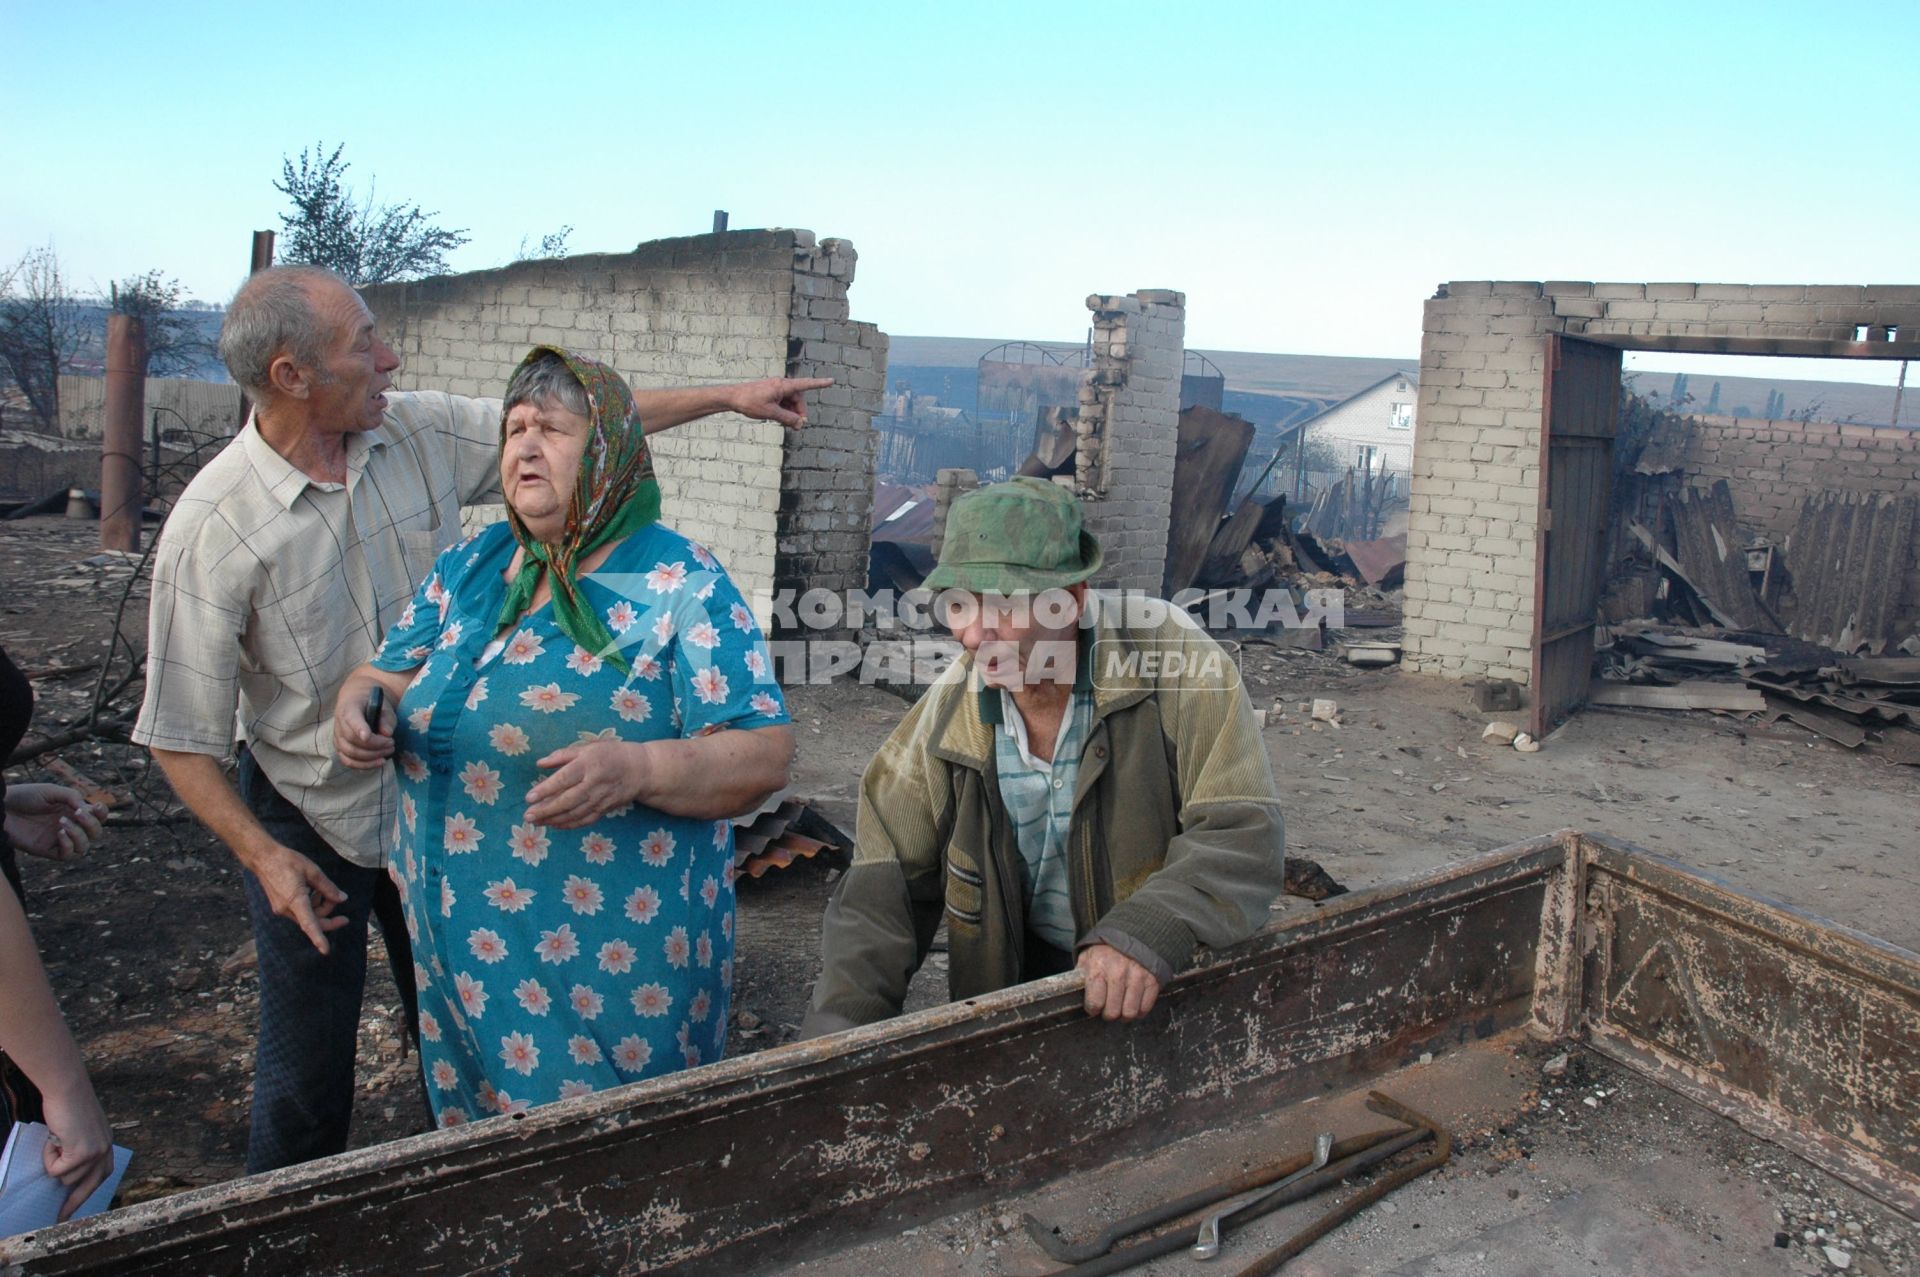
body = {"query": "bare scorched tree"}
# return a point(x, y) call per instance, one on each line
point(40, 328)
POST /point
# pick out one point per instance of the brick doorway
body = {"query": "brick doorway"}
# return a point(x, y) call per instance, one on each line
point(1480, 480)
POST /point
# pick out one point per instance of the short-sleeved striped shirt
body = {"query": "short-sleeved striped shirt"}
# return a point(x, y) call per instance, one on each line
point(269, 588)
point(1039, 799)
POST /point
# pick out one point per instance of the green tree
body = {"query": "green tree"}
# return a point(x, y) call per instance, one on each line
point(174, 343)
point(365, 241)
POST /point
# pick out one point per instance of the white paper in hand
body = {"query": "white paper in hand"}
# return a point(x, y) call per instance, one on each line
point(29, 1197)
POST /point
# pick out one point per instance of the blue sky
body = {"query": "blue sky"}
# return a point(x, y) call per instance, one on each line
point(1305, 174)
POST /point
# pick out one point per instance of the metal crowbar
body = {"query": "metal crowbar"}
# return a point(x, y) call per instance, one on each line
point(1386, 1105)
point(1176, 1239)
point(1068, 1252)
point(1206, 1244)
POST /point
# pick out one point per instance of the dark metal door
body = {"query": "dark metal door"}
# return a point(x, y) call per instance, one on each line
point(1576, 482)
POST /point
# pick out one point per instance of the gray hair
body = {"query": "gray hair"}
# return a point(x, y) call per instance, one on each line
point(273, 315)
point(545, 381)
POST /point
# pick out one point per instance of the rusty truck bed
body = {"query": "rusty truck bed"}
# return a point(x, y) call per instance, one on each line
point(1805, 1033)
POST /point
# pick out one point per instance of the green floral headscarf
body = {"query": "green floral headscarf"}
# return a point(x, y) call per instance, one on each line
point(614, 496)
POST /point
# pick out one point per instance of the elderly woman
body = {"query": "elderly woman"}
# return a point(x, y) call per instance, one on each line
point(583, 700)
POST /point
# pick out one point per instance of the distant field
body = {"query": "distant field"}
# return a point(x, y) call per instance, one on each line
point(1338, 376)
point(1829, 400)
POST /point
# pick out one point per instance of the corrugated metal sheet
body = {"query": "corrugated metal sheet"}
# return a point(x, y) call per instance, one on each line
point(1708, 544)
point(1853, 564)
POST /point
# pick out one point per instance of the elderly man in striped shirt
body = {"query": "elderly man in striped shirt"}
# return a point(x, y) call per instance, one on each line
point(285, 561)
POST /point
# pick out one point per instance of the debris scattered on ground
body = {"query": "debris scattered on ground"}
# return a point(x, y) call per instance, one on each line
point(1307, 880)
point(1494, 695)
point(1372, 653)
point(1499, 733)
point(1852, 701)
point(784, 830)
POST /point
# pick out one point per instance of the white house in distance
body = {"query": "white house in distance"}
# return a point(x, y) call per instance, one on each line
point(1372, 430)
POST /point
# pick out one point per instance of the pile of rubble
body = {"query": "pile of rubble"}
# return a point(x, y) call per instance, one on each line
point(1853, 701)
point(1820, 630)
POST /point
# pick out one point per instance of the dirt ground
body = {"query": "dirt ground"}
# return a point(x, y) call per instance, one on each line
point(145, 938)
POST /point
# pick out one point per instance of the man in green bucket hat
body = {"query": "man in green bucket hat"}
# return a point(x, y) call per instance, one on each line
point(1086, 787)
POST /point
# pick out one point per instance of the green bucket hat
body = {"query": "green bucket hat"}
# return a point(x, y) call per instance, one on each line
point(1018, 537)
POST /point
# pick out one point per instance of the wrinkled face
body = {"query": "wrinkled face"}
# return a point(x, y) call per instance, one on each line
point(539, 462)
point(349, 388)
point(1016, 639)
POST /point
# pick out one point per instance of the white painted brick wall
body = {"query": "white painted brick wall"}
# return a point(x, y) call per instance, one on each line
point(700, 310)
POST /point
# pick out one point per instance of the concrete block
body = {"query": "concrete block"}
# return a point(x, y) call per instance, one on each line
point(1579, 307)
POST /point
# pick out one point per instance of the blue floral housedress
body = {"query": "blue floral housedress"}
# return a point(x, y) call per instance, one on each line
point(554, 963)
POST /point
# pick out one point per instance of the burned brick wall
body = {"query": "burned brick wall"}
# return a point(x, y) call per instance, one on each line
point(826, 481)
point(703, 309)
point(1772, 466)
point(1473, 537)
point(1128, 423)
point(1776, 467)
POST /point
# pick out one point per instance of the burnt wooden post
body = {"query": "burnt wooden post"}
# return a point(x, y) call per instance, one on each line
point(120, 497)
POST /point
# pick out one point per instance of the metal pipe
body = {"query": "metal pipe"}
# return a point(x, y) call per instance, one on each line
point(120, 496)
point(261, 259)
point(1270, 1262)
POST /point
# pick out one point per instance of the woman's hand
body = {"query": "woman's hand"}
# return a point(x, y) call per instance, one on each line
point(360, 746)
point(589, 780)
point(79, 1149)
point(51, 821)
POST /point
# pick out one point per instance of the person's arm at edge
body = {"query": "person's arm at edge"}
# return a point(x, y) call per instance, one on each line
point(781, 399)
point(35, 1037)
point(287, 876)
point(474, 423)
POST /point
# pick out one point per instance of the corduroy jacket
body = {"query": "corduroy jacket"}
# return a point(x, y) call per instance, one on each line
point(1176, 836)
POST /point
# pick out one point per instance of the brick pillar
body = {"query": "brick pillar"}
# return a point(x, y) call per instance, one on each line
point(826, 481)
point(1128, 424)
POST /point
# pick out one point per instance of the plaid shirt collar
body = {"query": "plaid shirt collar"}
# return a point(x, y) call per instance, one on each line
point(286, 481)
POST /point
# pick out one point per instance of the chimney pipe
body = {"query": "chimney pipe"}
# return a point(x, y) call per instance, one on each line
point(121, 500)
point(262, 258)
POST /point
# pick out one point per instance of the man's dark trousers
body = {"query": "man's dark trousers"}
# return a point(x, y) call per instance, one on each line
point(309, 1001)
